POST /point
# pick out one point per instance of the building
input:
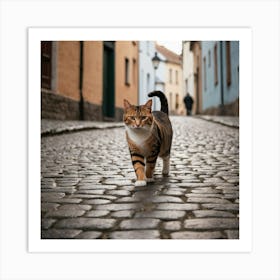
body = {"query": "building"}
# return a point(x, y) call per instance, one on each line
point(220, 77)
point(211, 75)
point(188, 71)
point(88, 80)
point(195, 48)
point(173, 80)
point(147, 80)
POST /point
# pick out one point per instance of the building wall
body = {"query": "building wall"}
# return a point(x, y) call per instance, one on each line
point(93, 75)
point(231, 91)
point(211, 89)
point(147, 73)
point(126, 50)
point(188, 70)
point(68, 62)
point(173, 88)
point(217, 91)
point(196, 49)
point(62, 100)
point(160, 81)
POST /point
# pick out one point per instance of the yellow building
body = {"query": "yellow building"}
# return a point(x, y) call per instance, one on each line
point(173, 80)
point(88, 80)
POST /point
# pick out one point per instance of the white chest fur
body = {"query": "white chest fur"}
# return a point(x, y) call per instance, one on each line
point(139, 135)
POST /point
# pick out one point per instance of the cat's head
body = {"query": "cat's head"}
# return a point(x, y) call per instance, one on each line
point(138, 117)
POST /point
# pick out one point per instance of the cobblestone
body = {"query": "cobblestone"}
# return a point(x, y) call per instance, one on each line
point(136, 234)
point(172, 225)
point(196, 235)
point(65, 213)
point(164, 215)
point(211, 223)
point(88, 235)
point(139, 223)
point(86, 223)
point(88, 192)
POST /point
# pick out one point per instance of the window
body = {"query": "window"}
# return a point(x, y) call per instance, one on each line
point(177, 101)
point(204, 72)
point(228, 62)
point(127, 71)
point(170, 76)
point(187, 86)
point(215, 65)
point(209, 58)
point(134, 71)
point(46, 67)
point(148, 83)
point(176, 75)
point(170, 100)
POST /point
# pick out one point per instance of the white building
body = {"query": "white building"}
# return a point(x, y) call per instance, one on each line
point(147, 73)
point(188, 71)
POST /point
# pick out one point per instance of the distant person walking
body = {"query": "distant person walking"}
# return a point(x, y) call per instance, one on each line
point(188, 103)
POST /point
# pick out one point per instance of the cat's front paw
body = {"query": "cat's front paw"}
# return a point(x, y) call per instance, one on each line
point(140, 183)
point(165, 173)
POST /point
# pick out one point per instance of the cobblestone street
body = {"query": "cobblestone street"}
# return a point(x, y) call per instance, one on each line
point(87, 184)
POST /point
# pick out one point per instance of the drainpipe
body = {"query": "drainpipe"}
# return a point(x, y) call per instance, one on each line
point(81, 103)
point(222, 77)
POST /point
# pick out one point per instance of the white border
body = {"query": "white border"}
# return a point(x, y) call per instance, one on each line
point(243, 35)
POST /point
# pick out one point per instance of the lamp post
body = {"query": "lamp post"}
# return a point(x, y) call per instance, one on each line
point(155, 60)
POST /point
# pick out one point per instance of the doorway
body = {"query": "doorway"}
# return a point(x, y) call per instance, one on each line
point(108, 103)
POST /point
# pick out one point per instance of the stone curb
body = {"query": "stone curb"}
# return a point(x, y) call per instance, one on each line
point(227, 121)
point(78, 127)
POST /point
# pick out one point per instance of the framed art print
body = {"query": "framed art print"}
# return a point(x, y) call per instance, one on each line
point(86, 188)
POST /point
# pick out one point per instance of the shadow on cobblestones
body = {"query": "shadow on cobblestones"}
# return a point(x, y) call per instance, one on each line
point(88, 192)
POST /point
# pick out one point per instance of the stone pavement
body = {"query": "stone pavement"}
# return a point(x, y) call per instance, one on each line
point(88, 192)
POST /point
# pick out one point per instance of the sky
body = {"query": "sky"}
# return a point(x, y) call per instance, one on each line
point(175, 46)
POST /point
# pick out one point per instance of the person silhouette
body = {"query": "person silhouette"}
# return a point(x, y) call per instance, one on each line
point(188, 100)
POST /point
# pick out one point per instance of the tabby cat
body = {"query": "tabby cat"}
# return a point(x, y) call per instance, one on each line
point(149, 135)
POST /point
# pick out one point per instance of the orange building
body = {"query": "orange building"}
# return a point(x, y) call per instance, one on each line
point(88, 80)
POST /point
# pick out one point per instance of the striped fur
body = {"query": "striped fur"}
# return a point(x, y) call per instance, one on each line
point(149, 136)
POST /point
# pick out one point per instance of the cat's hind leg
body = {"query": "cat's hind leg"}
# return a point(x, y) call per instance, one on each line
point(166, 165)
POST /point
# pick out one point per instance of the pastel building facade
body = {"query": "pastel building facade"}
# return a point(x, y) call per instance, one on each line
point(147, 79)
point(173, 79)
point(211, 75)
point(220, 77)
point(189, 73)
point(88, 80)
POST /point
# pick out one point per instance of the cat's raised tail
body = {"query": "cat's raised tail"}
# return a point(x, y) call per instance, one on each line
point(163, 100)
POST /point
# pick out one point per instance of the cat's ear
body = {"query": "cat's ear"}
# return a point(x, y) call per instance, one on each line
point(126, 104)
point(149, 104)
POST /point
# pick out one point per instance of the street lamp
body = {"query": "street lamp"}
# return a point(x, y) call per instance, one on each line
point(155, 60)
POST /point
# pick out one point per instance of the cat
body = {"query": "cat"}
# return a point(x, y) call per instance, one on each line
point(149, 135)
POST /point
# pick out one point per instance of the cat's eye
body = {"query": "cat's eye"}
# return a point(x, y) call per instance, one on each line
point(132, 118)
point(144, 118)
